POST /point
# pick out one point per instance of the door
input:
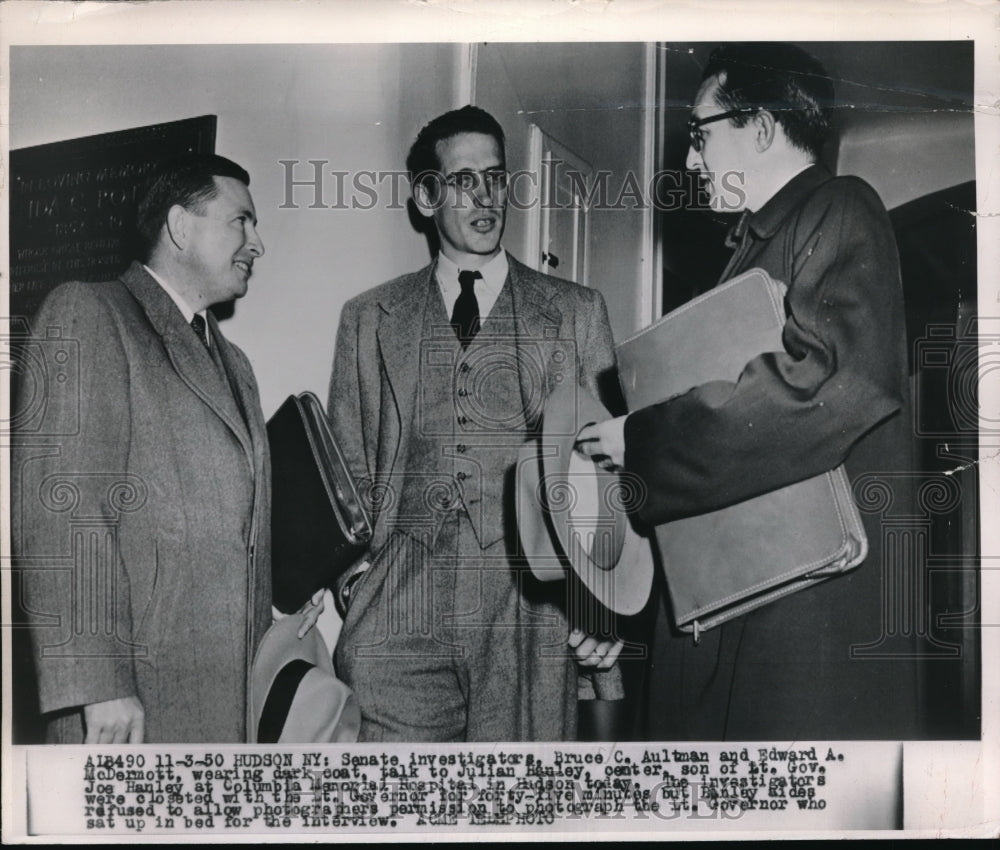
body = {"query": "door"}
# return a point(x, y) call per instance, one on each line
point(558, 228)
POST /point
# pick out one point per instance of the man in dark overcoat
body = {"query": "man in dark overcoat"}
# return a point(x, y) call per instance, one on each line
point(811, 665)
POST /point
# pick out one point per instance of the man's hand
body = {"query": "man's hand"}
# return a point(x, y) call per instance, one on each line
point(116, 721)
point(604, 443)
point(591, 652)
point(310, 612)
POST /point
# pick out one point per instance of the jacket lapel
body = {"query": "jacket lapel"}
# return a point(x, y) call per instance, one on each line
point(190, 359)
point(400, 324)
point(537, 335)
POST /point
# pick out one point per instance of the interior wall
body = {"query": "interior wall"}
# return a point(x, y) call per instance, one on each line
point(495, 93)
point(356, 106)
point(590, 98)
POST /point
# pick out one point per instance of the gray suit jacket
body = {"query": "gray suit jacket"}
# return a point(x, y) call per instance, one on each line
point(376, 370)
point(142, 516)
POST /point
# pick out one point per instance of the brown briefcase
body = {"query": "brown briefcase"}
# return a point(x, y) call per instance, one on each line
point(319, 526)
point(725, 563)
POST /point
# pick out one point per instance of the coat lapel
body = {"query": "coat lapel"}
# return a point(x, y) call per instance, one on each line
point(241, 384)
point(190, 359)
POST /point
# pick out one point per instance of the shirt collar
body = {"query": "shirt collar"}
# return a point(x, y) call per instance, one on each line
point(494, 272)
point(182, 305)
point(766, 221)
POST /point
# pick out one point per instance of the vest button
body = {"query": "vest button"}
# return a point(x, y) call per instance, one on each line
point(463, 393)
point(464, 367)
point(460, 448)
point(460, 476)
point(462, 420)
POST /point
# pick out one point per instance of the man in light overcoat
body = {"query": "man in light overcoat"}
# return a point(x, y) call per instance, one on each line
point(143, 529)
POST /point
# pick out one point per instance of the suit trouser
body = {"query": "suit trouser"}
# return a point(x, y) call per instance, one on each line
point(446, 641)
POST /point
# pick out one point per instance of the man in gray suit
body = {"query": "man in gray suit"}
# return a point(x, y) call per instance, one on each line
point(438, 377)
point(143, 531)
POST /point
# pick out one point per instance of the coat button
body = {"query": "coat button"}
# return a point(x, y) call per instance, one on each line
point(461, 448)
point(460, 476)
point(463, 393)
point(462, 420)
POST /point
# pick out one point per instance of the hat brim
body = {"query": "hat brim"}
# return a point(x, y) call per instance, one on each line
point(538, 540)
point(582, 506)
point(295, 695)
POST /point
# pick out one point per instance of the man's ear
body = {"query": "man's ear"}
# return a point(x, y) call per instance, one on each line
point(764, 130)
point(177, 226)
point(423, 200)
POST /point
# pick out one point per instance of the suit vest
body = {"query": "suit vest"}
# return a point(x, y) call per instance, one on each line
point(468, 421)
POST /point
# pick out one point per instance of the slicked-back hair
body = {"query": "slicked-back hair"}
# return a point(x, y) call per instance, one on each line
point(783, 79)
point(187, 180)
point(423, 163)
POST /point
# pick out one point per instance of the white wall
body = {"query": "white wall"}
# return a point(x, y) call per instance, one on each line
point(358, 106)
point(590, 98)
point(496, 95)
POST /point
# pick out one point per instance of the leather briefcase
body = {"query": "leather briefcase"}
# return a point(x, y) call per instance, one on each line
point(319, 525)
point(725, 563)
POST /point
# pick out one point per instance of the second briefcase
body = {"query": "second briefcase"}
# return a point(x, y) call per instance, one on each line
point(319, 526)
point(725, 563)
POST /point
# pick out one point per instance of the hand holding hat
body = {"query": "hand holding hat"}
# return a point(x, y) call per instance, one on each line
point(571, 512)
point(604, 443)
point(295, 695)
point(590, 651)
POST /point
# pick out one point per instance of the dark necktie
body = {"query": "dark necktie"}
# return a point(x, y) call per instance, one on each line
point(200, 328)
point(465, 316)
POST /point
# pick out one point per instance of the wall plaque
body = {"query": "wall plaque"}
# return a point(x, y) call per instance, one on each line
point(73, 204)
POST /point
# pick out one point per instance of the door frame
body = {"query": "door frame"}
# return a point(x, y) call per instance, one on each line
point(537, 237)
point(651, 274)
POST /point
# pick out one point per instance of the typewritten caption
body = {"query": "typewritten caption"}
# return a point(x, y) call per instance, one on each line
point(337, 788)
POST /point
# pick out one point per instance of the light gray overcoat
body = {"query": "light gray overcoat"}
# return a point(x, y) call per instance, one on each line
point(142, 515)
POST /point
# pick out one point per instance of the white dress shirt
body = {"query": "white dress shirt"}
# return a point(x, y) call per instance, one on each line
point(182, 305)
point(487, 290)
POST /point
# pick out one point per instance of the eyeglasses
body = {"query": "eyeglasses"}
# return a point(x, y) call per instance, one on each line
point(468, 181)
point(695, 124)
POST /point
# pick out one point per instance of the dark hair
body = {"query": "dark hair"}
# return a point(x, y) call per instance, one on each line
point(188, 180)
point(781, 78)
point(423, 161)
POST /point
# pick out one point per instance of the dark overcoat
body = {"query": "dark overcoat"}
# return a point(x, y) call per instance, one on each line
point(832, 661)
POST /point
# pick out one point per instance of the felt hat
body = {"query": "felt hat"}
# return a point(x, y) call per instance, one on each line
point(572, 512)
point(295, 695)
